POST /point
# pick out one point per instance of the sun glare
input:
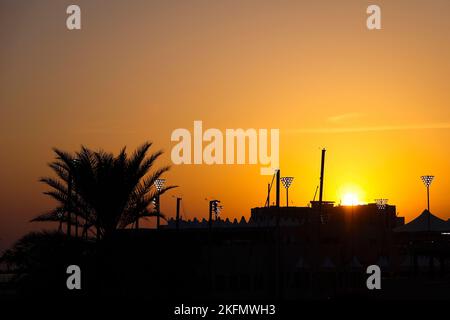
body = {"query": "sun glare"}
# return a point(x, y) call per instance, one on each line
point(350, 199)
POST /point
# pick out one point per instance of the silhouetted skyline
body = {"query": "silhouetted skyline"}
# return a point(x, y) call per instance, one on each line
point(377, 100)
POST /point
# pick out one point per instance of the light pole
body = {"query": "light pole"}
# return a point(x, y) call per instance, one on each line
point(427, 180)
point(178, 213)
point(381, 206)
point(381, 203)
point(287, 181)
point(214, 208)
point(69, 200)
point(69, 204)
point(159, 184)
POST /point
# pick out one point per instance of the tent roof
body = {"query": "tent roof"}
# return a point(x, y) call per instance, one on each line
point(420, 224)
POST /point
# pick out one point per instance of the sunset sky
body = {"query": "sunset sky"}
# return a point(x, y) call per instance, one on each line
point(378, 101)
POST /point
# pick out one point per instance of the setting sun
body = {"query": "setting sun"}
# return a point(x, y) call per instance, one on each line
point(351, 194)
point(280, 151)
point(350, 199)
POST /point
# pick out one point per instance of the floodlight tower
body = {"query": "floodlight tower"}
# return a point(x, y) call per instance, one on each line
point(69, 208)
point(69, 203)
point(214, 208)
point(427, 180)
point(287, 181)
point(381, 206)
point(381, 203)
point(159, 184)
point(278, 175)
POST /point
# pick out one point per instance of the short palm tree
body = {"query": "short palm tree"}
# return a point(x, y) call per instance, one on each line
point(103, 191)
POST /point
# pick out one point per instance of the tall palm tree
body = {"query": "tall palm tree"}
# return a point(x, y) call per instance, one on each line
point(103, 191)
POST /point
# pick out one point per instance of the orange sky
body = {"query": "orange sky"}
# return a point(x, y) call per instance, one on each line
point(377, 100)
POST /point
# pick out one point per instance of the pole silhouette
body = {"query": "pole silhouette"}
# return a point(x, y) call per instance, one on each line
point(178, 214)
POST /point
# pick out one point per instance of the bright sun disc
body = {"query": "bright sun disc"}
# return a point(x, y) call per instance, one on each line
point(350, 199)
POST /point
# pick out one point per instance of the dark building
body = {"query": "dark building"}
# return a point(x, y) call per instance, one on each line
point(287, 252)
point(281, 252)
point(336, 232)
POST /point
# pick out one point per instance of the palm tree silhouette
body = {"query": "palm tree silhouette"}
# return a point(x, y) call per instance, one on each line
point(103, 191)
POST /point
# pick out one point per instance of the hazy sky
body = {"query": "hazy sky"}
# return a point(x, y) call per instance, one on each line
point(377, 100)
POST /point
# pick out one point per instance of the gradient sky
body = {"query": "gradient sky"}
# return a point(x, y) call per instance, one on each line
point(377, 100)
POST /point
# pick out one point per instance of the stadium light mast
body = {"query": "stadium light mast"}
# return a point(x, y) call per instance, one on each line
point(159, 184)
point(381, 203)
point(278, 175)
point(214, 209)
point(69, 208)
point(427, 180)
point(287, 181)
